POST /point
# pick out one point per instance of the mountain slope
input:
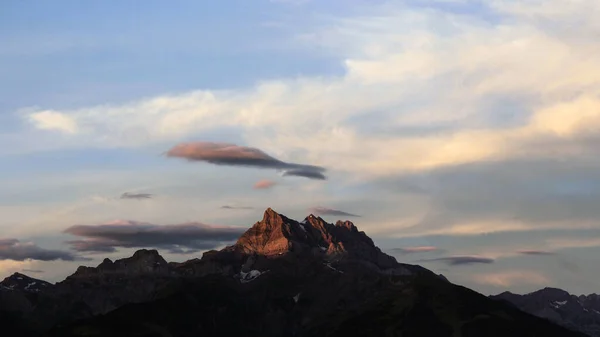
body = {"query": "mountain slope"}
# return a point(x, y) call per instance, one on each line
point(580, 313)
point(309, 278)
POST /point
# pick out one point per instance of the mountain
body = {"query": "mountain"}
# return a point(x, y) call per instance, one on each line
point(18, 281)
point(281, 278)
point(580, 313)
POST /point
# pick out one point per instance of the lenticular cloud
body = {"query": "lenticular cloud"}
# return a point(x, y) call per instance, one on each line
point(234, 155)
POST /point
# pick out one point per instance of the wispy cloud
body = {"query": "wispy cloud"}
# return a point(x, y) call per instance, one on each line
point(264, 184)
point(137, 196)
point(509, 278)
point(13, 249)
point(574, 242)
point(330, 211)
point(535, 252)
point(234, 155)
point(35, 271)
point(416, 249)
point(461, 260)
point(181, 238)
point(236, 207)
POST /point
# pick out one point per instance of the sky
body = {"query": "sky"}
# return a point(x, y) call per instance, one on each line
point(460, 135)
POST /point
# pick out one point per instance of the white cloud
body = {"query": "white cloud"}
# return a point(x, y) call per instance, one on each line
point(420, 67)
point(53, 120)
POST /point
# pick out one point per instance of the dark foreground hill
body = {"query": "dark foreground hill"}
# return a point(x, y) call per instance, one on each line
point(281, 278)
point(580, 313)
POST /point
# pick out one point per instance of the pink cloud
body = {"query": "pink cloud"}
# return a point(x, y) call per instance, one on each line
point(264, 184)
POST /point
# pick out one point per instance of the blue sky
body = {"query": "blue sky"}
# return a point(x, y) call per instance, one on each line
point(467, 126)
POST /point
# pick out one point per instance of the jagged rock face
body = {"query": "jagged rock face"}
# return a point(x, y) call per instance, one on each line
point(277, 234)
point(580, 313)
point(273, 235)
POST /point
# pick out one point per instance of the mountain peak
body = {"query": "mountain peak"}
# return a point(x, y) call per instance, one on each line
point(17, 274)
point(277, 234)
point(145, 254)
point(271, 216)
point(269, 236)
point(551, 292)
point(18, 281)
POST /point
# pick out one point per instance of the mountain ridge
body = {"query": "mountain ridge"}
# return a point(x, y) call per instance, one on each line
point(280, 278)
point(581, 313)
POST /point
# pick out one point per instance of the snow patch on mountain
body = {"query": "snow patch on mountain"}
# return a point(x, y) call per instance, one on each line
point(558, 304)
point(250, 276)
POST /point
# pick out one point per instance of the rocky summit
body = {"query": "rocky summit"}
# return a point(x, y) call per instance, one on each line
point(276, 235)
point(282, 277)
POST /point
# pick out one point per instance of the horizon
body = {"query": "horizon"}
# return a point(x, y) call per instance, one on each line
point(458, 135)
point(24, 272)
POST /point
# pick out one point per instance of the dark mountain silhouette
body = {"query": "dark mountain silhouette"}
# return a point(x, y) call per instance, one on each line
point(281, 278)
point(18, 281)
point(581, 313)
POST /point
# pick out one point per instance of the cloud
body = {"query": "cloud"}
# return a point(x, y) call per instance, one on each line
point(264, 184)
point(181, 238)
point(511, 195)
point(510, 278)
point(573, 242)
point(461, 260)
point(514, 143)
point(36, 271)
point(137, 196)
point(330, 211)
point(416, 249)
point(93, 246)
point(234, 155)
point(536, 252)
point(484, 108)
point(13, 249)
point(53, 120)
point(306, 173)
point(236, 207)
